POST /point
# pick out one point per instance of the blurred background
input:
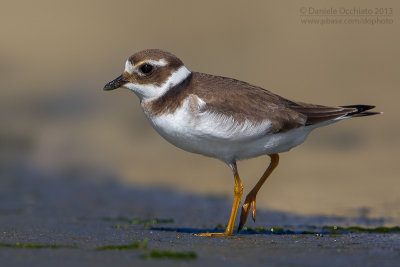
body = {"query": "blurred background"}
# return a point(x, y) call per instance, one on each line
point(56, 56)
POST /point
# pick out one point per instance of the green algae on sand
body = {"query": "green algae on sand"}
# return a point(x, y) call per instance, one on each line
point(167, 254)
point(133, 245)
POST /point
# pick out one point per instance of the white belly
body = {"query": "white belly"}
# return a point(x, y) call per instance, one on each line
point(219, 136)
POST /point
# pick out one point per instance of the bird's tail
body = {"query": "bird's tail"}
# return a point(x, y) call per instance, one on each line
point(360, 111)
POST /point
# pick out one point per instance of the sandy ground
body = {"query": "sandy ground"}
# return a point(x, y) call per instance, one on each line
point(80, 214)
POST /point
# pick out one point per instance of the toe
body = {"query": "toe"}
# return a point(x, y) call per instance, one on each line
point(243, 215)
point(253, 210)
point(213, 234)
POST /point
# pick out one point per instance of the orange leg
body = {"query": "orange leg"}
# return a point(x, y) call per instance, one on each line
point(251, 197)
point(238, 189)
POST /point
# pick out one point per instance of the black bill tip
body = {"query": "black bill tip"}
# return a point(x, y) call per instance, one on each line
point(116, 83)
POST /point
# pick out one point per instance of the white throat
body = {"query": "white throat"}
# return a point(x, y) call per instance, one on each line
point(147, 92)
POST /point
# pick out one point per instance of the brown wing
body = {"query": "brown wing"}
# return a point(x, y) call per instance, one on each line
point(243, 101)
point(317, 114)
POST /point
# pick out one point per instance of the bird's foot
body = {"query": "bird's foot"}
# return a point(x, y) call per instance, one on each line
point(250, 202)
point(214, 234)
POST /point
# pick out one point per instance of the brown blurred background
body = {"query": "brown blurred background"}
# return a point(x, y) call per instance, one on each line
point(56, 56)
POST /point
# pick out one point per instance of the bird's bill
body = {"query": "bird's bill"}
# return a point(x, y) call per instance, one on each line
point(116, 83)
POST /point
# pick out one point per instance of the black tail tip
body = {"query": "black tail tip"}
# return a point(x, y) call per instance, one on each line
point(361, 110)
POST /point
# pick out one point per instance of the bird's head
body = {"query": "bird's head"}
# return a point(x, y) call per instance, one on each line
point(150, 73)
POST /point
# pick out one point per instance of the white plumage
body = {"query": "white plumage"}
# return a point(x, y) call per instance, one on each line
point(220, 136)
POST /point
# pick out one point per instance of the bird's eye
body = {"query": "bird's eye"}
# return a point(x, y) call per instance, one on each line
point(146, 68)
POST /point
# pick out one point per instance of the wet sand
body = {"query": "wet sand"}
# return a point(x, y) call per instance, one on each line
point(81, 212)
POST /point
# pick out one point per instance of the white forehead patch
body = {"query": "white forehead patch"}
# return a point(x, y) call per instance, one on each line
point(130, 68)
